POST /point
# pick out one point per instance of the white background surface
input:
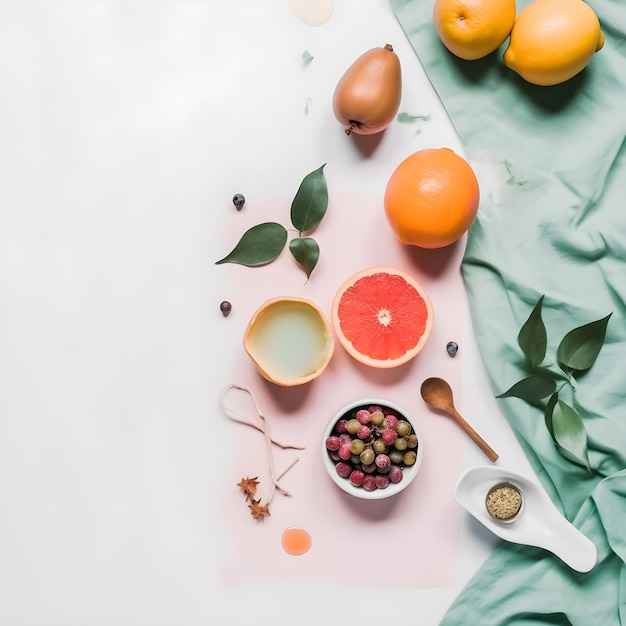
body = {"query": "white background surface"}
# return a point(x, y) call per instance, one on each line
point(126, 127)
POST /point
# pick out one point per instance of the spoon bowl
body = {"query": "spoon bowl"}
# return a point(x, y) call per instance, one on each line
point(539, 524)
point(437, 394)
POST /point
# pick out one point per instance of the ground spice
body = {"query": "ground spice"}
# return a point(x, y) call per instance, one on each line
point(504, 501)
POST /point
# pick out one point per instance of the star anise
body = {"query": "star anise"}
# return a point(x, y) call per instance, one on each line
point(248, 485)
point(257, 510)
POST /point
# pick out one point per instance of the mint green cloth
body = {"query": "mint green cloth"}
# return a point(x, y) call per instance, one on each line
point(556, 227)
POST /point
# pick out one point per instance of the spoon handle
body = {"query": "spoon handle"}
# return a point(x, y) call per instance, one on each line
point(476, 438)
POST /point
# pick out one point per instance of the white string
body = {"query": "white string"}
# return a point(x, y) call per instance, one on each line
point(242, 419)
point(265, 429)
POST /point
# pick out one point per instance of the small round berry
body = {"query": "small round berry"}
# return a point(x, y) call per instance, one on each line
point(375, 408)
point(395, 474)
point(334, 455)
point(379, 446)
point(382, 482)
point(376, 418)
point(343, 469)
point(363, 416)
point(392, 421)
point(239, 201)
point(401, 443)
point(344, 451)
point(332, 443)
point(353, 426)
point(367, 456)
point(226, 307)
point(363, 432)
point(409, 458)
point(382, 461)
point(355, 459)
point(340, 426)
point(357, 446)
point(403, 428)
point(396, 456)
point(356, 477)
point(412, 440)
point(370, 468)
point(389, 436)
point(369, 482)
point(452, 348)
point(345, 439)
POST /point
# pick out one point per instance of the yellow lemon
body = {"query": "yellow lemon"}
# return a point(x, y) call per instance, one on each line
point(472, 29)
point(553, 40)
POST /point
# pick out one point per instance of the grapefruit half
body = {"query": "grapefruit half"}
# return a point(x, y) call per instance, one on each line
point(382, 316)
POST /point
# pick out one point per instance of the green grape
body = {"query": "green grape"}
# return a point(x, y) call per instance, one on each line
point(367, 456)
point(353, 426)
point(401, 443)
point(379, 446)
point(396, 456)
point(403, 428)
point(409, 457)
point(357, 446)
point(377, 418)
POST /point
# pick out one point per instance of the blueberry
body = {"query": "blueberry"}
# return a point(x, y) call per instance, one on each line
point(452, 348)
point(238, 201)
point(225, 308)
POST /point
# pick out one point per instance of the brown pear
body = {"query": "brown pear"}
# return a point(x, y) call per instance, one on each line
point(367, 96)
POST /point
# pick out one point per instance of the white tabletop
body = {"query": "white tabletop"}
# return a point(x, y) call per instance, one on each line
point(125, 126)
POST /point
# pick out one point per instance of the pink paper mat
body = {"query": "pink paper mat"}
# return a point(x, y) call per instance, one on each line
point(408, 541)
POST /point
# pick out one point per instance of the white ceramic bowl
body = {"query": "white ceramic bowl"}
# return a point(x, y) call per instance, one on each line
point(409, 472)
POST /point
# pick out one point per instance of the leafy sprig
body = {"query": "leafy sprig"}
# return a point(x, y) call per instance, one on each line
point(576, 353)
point(264, 242)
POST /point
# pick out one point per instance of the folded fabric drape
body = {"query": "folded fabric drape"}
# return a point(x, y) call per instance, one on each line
point(554, 226)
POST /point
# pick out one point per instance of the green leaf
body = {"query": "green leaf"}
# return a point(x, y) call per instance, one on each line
point(307, 57)
point(306, 251)
point(569, 433)
point(531, 389)
point(579, 349)
point(532, 337)
point(311, 201)
point(259, 245)
point(549, 410)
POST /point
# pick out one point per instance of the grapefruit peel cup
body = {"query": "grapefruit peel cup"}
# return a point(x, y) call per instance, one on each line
point(275, 346)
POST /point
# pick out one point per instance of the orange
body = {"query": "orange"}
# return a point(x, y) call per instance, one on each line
point(472, 29)
point(432, 198)
point(382, 316)
point(553, 40)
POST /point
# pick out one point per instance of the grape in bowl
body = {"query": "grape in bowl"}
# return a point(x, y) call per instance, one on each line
point(372, 448)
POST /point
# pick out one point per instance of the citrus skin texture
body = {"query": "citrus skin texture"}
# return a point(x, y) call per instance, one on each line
point(432, 198)
point(367, 97)
point(472, 29)
point(382, 316)
point(553, 40)
point(279, 363)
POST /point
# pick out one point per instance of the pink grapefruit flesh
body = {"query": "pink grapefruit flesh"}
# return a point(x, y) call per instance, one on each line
point(382, 316)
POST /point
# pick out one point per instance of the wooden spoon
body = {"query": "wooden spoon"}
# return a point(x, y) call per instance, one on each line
point(437, 394)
